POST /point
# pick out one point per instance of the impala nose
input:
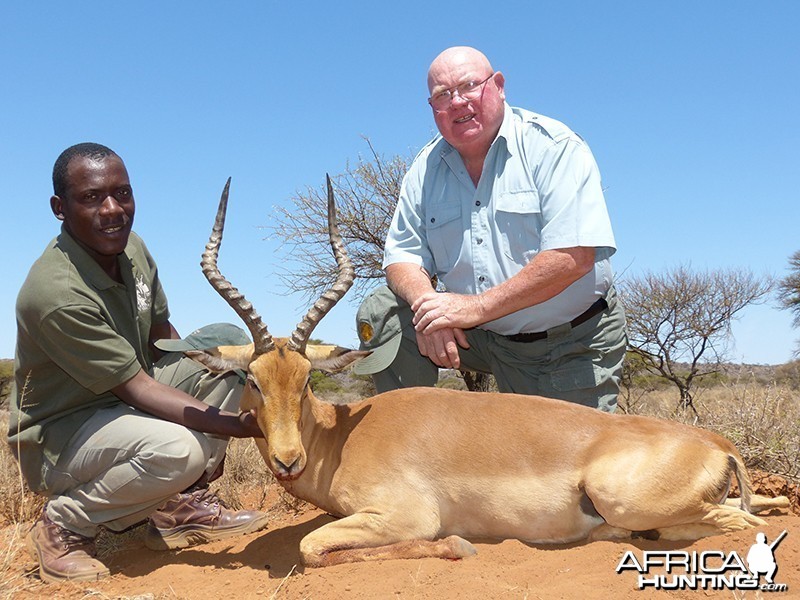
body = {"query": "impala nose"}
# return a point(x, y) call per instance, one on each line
point(287, 467)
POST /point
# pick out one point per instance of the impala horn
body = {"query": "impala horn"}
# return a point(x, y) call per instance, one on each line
point(261, 337)
point(344, 280)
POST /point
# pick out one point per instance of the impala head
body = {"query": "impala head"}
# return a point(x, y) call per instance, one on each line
point(278, 369)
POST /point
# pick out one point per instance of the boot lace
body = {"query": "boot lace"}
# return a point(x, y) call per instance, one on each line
point(75, 541)
point(206, 496)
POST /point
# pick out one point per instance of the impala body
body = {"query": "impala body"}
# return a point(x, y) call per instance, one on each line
point(415, 471)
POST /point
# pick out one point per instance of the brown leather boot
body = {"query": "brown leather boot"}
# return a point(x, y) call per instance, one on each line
point(197, 517)
point(63, 554)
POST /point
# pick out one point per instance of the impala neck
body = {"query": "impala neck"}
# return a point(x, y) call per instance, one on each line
point(317, 415)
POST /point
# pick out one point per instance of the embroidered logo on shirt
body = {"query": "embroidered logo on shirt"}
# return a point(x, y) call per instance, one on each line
point(143, 297)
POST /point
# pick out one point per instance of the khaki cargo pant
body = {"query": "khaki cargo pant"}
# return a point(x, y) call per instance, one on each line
point(122, 464)
point(581, 364)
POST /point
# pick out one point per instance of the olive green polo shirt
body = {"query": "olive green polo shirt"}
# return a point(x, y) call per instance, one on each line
point(79, 334)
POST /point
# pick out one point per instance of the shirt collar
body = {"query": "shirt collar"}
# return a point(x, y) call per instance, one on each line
point(507, 129)
point(86, 264)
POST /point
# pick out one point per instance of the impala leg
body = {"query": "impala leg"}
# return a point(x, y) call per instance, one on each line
point(609, 532)
point(714, 520)
point(365, 536)
point(761, 503)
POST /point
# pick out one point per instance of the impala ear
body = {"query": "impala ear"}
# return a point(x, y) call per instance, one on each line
point(223, 358)
point(333, 359)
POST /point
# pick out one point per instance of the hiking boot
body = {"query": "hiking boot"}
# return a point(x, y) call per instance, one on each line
point(63, 554)
point(196, 517)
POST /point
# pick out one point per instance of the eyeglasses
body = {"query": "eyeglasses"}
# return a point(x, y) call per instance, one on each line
point(469, 90)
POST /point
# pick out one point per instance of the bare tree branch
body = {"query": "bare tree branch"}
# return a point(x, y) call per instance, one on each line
point(789, 291)
point(366, 196)
point(679, 321)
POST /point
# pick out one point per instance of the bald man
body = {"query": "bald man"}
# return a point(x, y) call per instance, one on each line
point(505, 210)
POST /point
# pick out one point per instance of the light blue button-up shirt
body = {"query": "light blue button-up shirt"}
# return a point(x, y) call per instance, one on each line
point(539, 190)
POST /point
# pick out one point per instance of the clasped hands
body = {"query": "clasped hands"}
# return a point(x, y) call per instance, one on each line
point(440, 320)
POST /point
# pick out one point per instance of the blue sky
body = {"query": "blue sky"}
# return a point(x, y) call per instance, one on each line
point(691, 110)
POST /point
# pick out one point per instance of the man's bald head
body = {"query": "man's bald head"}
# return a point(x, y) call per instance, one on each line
point(457, 57)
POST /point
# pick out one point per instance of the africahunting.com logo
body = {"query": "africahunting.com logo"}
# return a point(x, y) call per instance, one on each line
point(707, 570)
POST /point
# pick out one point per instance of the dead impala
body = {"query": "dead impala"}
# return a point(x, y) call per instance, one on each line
point(415, 471)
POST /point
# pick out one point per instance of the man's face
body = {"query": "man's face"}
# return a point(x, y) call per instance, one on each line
point(98, 206)
point(470, 126)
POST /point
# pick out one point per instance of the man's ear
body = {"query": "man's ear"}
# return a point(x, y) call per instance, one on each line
point(57, 207)
point(500, 82)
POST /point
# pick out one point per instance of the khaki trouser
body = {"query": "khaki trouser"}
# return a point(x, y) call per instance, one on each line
point(581, 364)
point(122, 464)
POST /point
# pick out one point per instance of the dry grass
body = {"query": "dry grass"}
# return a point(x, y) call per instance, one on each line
point(18, 509)
point(13, 579)
point(762, 420)
point(18, 505)
point(246, 480)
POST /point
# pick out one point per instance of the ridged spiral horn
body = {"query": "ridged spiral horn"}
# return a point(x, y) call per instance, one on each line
point(344, 280)
point(261, 337)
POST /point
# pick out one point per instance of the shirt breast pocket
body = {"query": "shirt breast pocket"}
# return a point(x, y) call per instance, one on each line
point(445, 235)
point(518, 216)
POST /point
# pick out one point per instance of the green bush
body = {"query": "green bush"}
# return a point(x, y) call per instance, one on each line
point(361, 385)
point(322, 383)
point(789, 374)
point(451, 383)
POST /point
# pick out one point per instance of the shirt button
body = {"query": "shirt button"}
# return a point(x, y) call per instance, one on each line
point(479, 240)
point(477, 202)
point(481, 278)
point(433, 219)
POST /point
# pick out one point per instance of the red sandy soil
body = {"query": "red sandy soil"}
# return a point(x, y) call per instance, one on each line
point(267, 565)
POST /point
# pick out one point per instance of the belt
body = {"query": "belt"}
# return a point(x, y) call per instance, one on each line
point(594, 309)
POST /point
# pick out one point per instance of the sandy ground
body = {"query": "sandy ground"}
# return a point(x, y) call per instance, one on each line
point(267, 565)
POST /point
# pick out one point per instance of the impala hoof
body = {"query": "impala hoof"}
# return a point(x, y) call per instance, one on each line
point(460, 547)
